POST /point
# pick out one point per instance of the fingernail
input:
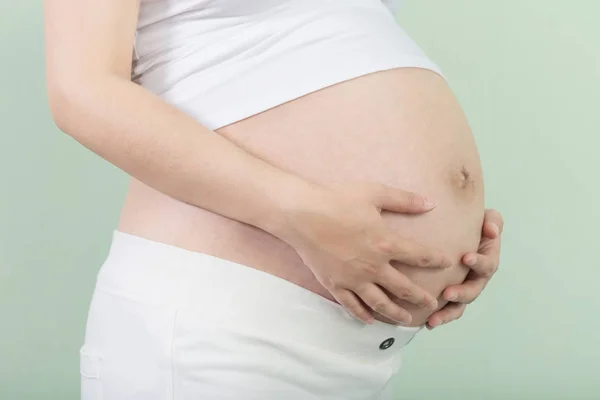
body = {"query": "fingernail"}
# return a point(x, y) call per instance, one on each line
point(452, 297)
point(495, 229)
point(470, 260)
point(432, 304)
point(429, 202)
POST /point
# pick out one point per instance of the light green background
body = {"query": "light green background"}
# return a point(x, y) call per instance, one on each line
point(527, 73)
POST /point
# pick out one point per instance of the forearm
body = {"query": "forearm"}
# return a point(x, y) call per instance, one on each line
point(168, 150)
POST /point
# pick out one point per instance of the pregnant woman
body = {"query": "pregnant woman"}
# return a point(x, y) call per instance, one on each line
point(305, 195)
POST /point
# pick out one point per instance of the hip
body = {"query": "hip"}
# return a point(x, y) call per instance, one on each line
point(169, 323)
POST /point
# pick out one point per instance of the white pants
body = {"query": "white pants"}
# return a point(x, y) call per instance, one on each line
point(167, 323)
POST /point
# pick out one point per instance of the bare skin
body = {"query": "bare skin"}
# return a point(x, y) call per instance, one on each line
point(483, 265)
point(408, 118)
point(290, 171)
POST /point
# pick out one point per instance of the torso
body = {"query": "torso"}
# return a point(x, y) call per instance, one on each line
point(402, 127)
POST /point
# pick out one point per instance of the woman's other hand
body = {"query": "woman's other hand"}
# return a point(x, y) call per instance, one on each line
point(340, 234)
point(483, 265)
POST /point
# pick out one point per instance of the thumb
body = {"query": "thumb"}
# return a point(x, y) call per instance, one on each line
point(398, 200)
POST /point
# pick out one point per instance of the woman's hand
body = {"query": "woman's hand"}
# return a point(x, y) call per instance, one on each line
point(341, 236)
point(483, 265)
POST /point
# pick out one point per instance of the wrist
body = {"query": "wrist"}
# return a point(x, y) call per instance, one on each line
point(294, 197)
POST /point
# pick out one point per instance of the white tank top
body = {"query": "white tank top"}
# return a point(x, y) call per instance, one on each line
point(224, 60)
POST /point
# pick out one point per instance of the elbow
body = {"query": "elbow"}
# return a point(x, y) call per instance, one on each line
point(71, 100)
point(58, 105)
point(78, 104)
point(61, 98)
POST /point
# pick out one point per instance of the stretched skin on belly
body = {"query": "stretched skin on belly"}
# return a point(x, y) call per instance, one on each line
point(455, 228)
point(402, 127)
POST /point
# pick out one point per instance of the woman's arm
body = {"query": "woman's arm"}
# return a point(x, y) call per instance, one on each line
point(338, 231)
point(89, 46)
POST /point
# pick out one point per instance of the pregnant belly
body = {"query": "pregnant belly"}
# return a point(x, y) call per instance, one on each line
point(401, 127)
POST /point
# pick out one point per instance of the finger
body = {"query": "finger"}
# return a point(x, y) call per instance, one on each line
point(403, 288)
point(493, 224)
point(398, 200)
point(490, 230)
point(451, 312)
point(375, 298)
point(484, 265)
point(416, 255)
point(466, 292)
point(353, 305)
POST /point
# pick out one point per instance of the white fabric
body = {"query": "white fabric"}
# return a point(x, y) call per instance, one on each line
point(168, 323)
point(224, 60)
point(393, 5)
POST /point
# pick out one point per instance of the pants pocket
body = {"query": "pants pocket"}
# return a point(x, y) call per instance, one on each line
point(127, 349)
point(90, 365)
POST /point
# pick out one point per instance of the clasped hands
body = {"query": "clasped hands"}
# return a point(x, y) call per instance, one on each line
point(483, 265)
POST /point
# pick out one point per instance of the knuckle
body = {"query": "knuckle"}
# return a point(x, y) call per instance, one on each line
point(424, 261)
point(385, 246)
point(379, 305)
point(331, 283)
point(373, 270)
point(405, 293)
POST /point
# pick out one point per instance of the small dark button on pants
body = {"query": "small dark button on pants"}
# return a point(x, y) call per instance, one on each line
point(387, 343)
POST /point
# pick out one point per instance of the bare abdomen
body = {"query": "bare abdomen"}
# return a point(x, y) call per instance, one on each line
point(402, 127)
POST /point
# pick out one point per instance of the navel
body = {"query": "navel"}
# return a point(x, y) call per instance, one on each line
point(464, 178)
point(463, 182)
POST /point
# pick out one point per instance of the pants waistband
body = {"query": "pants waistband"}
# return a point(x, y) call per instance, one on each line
point(159, 273)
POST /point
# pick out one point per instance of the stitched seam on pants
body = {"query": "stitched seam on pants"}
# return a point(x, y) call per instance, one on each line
point(172, 351)
point(134, 299)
